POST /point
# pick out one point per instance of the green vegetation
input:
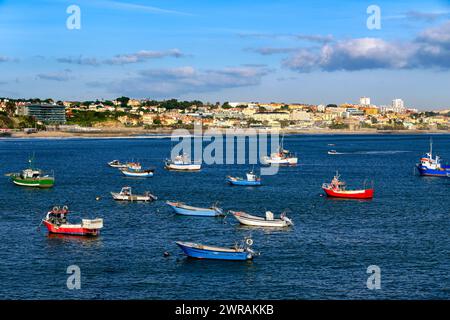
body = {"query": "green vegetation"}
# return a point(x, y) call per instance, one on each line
point(123, 101)
point(19, 122)
point(6, 122)
point(182, 105)
point(338, 125)
point(90, 117)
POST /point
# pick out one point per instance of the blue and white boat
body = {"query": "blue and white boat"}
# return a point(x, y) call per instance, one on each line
point(430, 166)
point(138, 173)
point(251, 180)
point(183, 209)
point(237, 253)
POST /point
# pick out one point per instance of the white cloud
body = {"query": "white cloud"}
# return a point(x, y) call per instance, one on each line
point(431, 49)
point(121, 59)
point(60, 76)
point(172, 82)
point(143, 55)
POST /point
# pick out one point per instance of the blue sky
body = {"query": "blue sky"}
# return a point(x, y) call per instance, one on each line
point(291, 51)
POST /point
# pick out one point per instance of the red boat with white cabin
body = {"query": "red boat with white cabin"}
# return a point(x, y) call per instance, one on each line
point(338, 189)
point(56, 223)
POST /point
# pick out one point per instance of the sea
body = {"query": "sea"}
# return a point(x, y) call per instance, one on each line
point(330, 253)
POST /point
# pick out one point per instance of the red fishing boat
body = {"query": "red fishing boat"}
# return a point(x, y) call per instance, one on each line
point(56, 222)
point(338, 189)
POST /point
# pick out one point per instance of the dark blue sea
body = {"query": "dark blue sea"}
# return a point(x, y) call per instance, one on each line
point(404, 230)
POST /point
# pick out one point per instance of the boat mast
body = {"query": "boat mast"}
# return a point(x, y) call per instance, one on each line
point(431, 147)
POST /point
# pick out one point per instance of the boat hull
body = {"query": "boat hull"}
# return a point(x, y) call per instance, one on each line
point(243, 182)
point(138, 174)
point(121, 197)
point(199, 253)
point(117, 165)
point(259, 222)
point(354, 194)
point(33, 183)
point(198, 212)
point(443, 172)
point(183, 167)
point(288, 162)
point(75, 230)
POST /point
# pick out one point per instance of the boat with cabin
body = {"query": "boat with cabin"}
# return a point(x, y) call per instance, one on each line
point(182, 163)
point(268, 221)
point(126, 194)
point(239, 252)
point(251, 179)
point(430, 166)
point(139, 173)
point(338, 189)
point(32, 177)
point(280, 157)
point(117, 164)
point(183, 209)
point(57, 223)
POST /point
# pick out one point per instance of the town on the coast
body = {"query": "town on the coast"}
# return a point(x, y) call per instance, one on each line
point(124, 114)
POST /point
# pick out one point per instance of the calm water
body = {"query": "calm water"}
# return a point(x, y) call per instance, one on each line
point(404, 230)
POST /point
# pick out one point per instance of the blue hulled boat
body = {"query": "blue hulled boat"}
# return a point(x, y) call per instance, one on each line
point(200, 251)
point(430, 166)
point(181, 208)
point(251, 180)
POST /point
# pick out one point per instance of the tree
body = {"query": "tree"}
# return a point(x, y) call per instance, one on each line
point(226, 105)
point(262, 109)
point(123, 101)
point(10, 108)
point(332, 105)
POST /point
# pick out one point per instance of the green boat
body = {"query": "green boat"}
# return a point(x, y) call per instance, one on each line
point(32, 178)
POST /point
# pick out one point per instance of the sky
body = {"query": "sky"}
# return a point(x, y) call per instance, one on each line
point(315, 52)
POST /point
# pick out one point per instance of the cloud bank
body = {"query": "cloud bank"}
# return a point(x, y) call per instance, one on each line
point(429, 49)
point(121, 59)
point(169, 82)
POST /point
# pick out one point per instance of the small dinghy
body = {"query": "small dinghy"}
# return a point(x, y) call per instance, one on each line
point(337, 189)
point(251, 180)
point(137, 172)
point(126, 195)
point(182, 163)
point(237, 253)
point(268, 221)
point(117, 164)
point(182, 209)
point(56, 223)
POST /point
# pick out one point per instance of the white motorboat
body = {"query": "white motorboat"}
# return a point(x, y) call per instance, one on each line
point(282, 156)
point(117, 164)
point(126, 195)
point(182, 163)
point(267, 221)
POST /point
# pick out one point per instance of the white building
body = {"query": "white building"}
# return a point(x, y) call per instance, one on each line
point(364, 101)
point(398, 106)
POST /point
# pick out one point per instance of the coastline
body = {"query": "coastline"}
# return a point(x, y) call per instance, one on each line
point(142, 133)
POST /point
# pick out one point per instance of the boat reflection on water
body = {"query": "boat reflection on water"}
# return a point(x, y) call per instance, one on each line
point(263, 230)
point(55, 240)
